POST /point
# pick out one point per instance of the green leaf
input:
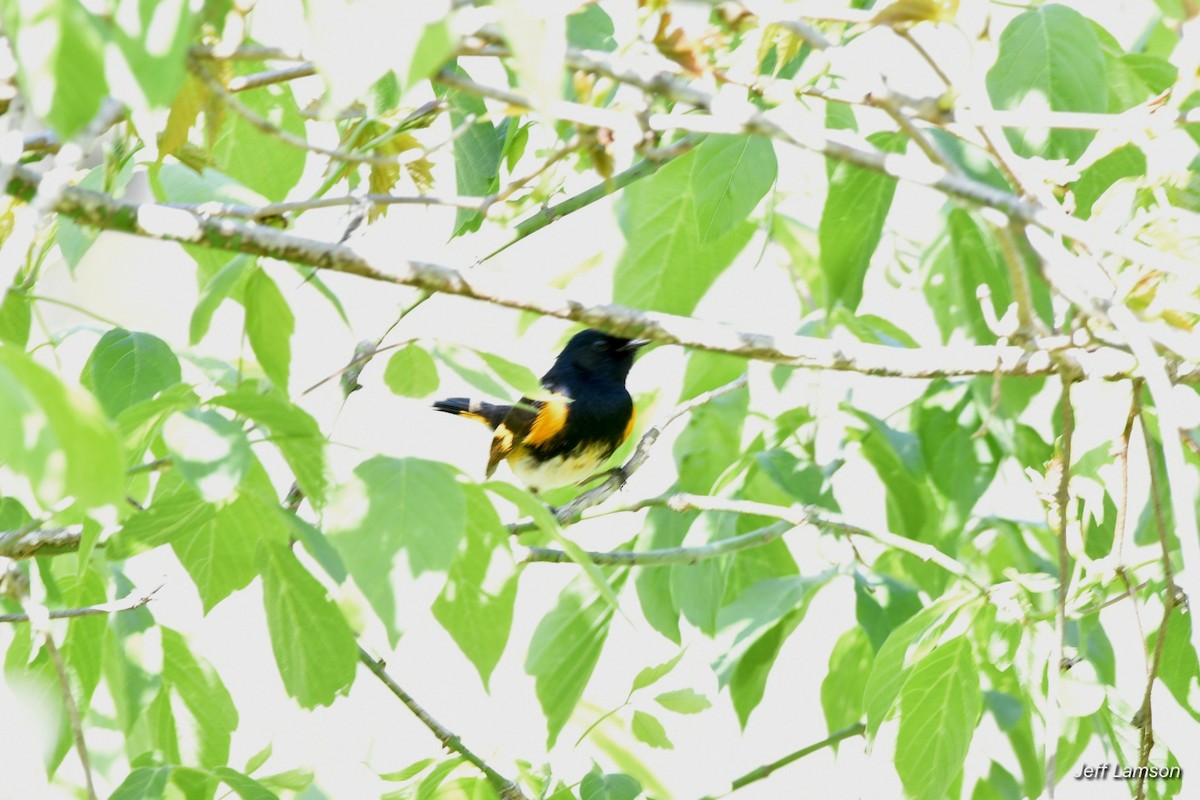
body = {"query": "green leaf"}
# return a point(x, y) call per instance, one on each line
point(881, 605)
point(699, 589)
point(59, 50)
point(476, 153)
point(56, 436)
point(428, 788)
point(590, 28)
point(939, 708)
point(856, 207)
point(176, 511)
point(611, 786)
point(219, 287)
point(515, 375)
point(314, 647)
point(977, 262)
point(143, 783)
point(269, 326)
point(731, 174)
point(753, 629)
point(563, 652)
point(1124, 162)
point(220, 555)
point(844, 683)
point(296, 780)
point(411, 372)
point(707, 371)
point(208, 701)
point(127, 367)
point(891, 665)
point(1179, 667)
point(432, 48)
point(548, 524)
point(209, 450)
point(153, 38)
point(391, 505)
point(683, 701)
point(258, 759)
point(896, 456)
point(292, 430)
point(1049, 60)
point(646, 728)
point(16, 318)
point(244, 786)
point(411, 771)
point(476, 604)
point(648, 676)
point(666, 265)
point(662, 528)
point(256, 159)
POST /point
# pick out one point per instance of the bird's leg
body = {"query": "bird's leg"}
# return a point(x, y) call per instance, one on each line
point(608, 473)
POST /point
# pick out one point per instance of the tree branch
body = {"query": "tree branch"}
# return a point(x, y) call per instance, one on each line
point(791, 518)
point(507, 789)
point(1059, 665)
point(64, 683)
point(22, 543)
point(667, 555)
point(765, 770)
point(166, 223)
point(128, 603)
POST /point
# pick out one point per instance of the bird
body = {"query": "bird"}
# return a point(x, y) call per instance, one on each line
point(585, 416)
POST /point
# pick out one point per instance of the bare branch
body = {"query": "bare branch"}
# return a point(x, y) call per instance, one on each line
point(21, 544)
point(792, 517)
point(243, 82)
point(64, 684)
point(759, 773)
point(1060, 664)
point(128, 603)
point(667, 555)
point(158, 221)
point(507, 789)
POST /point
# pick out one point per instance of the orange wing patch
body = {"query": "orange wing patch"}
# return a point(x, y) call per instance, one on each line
point(550, 420)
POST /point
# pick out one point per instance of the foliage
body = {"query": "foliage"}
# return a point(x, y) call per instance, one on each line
point(965, 214)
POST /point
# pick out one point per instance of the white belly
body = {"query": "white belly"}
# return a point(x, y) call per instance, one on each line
point(559, 471)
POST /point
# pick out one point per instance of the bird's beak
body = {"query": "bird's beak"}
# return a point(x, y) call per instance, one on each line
point(633, 345)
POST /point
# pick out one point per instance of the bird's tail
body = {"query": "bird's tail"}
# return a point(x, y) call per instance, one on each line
point(489, 414)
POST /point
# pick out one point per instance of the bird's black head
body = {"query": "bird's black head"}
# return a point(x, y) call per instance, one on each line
point(597, 354)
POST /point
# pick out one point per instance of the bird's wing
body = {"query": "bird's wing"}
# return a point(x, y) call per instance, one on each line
point(530, 422)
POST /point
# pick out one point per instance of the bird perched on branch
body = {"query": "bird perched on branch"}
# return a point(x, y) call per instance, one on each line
point(564, 437)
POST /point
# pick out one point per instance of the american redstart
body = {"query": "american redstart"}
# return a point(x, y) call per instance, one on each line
point(566, 437)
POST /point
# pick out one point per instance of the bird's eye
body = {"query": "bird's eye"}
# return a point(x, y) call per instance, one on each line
point(600, 346)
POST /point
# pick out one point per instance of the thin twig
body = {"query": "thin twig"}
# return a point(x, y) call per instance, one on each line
point(507, 789)
point(1145, 716)
point(759, 773)
point(645, 167)
point(828, 521)
point(667, 555)
point(259, 79)
point(1059, 665)
point(128, 603)
point(64, 684)
point(271, 129)
point(791, 517)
